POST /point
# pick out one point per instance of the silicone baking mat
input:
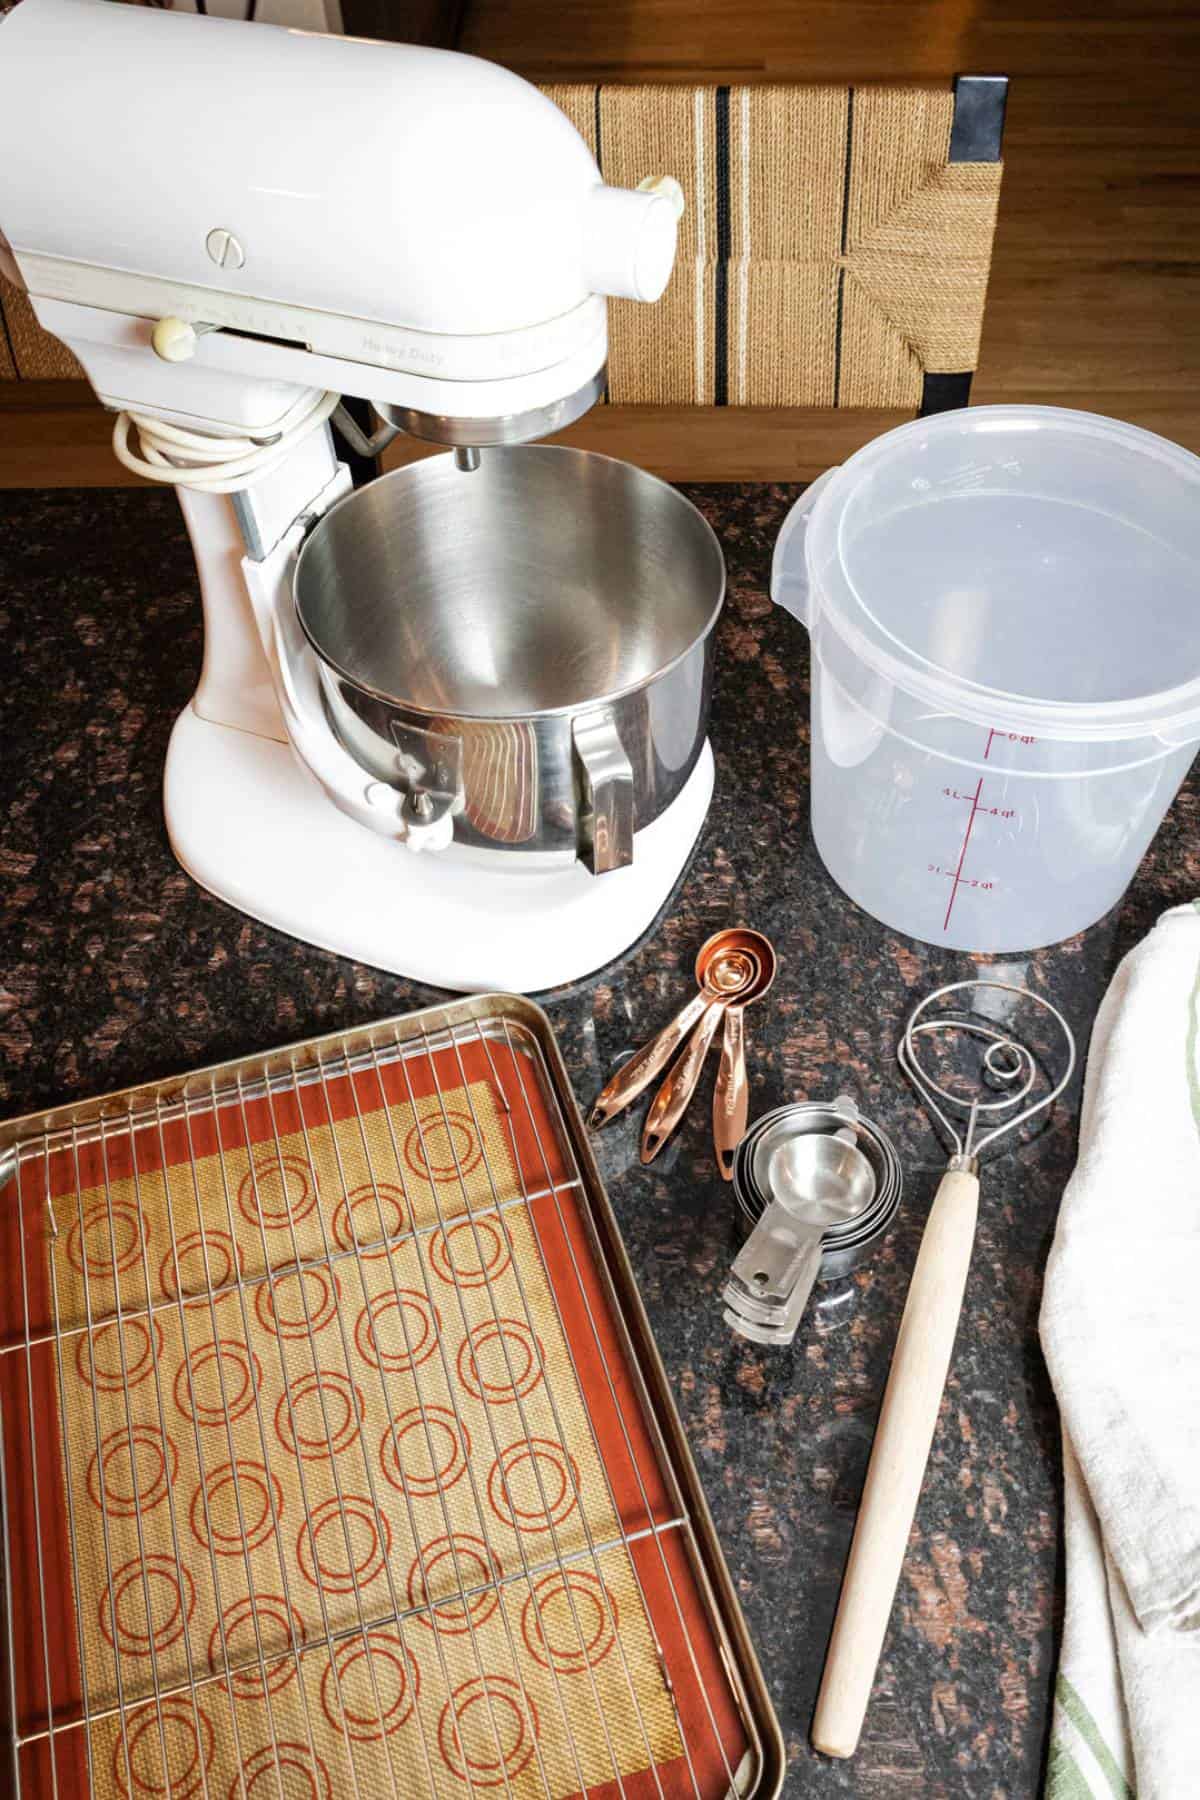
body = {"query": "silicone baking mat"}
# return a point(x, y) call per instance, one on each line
point(328, 1463)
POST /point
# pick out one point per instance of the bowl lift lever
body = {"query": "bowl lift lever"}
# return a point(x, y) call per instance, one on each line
point(222, 300)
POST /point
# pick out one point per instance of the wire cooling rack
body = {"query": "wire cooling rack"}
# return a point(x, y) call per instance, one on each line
point(336, 1452)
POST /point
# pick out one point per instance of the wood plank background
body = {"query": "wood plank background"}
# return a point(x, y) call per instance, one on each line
point(1095, 296)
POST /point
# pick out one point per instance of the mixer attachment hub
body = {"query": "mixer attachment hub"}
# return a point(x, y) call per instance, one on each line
point(475, 434)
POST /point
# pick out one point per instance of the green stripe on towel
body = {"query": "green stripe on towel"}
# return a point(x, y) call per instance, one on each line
point(1064, 1778)
point(1089, 1731)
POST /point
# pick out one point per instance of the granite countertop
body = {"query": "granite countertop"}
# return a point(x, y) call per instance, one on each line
point(115, 967)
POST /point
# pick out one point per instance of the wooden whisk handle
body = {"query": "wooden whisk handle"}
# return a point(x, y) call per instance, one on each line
point(907, 1421)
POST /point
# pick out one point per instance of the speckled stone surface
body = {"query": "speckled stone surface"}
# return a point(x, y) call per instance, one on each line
point(115, 968)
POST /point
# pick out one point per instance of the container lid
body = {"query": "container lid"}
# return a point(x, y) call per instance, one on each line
point(1017, 564)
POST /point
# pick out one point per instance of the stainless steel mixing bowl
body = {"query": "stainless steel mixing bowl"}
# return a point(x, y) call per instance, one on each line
point(527, 646)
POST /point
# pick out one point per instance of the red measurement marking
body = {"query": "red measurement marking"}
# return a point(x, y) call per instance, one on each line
point(1010, 737)
point(971, 881)
point(954, 886)
point(958, 879)
point(994, 812)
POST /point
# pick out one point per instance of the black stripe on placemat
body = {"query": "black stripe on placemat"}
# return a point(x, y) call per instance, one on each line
point(977, 131)
point(600, 166)
point(724, 242)
point(841, 286)
point(6, 334)
point(944, 393)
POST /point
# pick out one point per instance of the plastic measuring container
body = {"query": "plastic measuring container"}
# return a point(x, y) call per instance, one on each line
point(1004, 607)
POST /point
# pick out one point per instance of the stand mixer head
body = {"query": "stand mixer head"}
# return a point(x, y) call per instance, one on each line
point(414, 227)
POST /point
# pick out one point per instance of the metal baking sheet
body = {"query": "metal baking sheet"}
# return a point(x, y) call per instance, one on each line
point(336, 1452)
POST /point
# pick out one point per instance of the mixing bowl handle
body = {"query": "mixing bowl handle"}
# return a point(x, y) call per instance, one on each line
point(606, 778)
point(789, 569)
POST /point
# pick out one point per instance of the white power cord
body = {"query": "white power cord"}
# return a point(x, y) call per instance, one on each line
point(214, 465)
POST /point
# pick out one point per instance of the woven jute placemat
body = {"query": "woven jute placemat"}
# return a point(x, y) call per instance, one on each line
point(830, 253)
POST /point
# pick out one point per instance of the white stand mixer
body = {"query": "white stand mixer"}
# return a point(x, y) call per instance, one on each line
point(232, 231)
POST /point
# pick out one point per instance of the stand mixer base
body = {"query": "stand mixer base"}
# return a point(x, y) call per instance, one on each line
point(250, 825)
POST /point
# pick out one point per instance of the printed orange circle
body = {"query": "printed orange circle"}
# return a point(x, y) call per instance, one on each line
point(131, 1471)
point(470, 1254)
point(266, 1620)
point(425, 1450)
point(108, 1240)
point(455, 1563)
point(500, 1361)
point(342, 1547)
point(397, 1331)
point(488, 1730)
point(392, 1680)
point(569, 1621)
point(283, 1767)
point(184, 1727)
point(236, 1508)
point(98, 1355)
point(533, 1485)
point(443, 1147)
point(318, 1416)
point(294, 1305)
point(183, 1272)
point(172, 1596)
point(277, 1192)
point(217, 1383)
point(358, 1216)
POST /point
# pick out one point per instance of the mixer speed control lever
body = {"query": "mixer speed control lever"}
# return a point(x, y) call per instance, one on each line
point(174, 340)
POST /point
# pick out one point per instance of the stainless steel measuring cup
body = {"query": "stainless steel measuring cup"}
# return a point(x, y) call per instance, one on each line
point(819, 1183)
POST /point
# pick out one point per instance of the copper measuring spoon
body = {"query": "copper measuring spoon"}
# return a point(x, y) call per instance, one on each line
point(732, 971)
point(731, 1097)
point(637, 1074)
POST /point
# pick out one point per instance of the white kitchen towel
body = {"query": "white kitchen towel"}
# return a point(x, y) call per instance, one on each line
point(1120, 1326)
